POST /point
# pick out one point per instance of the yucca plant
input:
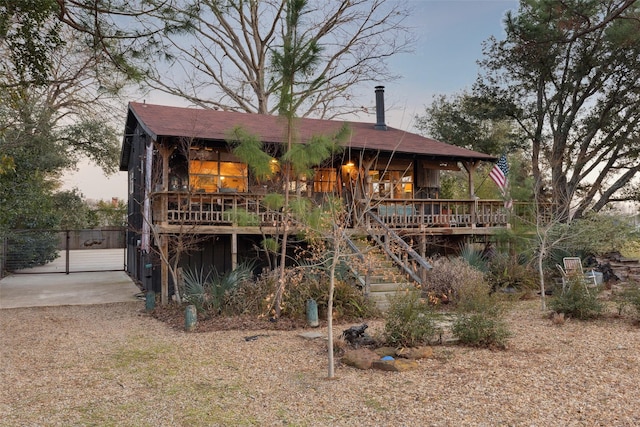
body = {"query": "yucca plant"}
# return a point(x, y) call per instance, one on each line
point(474, 258)
point(208, 291)
point(197, 286)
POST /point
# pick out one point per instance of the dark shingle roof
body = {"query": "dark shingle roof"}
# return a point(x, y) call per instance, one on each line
point(158, 121)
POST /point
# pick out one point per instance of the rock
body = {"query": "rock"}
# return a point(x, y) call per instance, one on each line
point(397, 365)
point(360, 358)
point(414, 353)
point(364, 341)
point(386, 351)
point(311, 335)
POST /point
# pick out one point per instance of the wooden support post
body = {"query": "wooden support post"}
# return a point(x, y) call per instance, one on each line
point(164, 271)
point(423, 254)
point(234, 250)
point(471, 167)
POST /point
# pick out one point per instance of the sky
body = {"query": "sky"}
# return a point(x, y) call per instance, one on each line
point(449, 42)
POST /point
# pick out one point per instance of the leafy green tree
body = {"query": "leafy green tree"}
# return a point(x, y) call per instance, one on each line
point(55, 109)
point(73, 211)
point(568, 74)
point(291, 65)
point(29, 35)
point(110, 213)
point(26, 189)
point(471, 122)
point(31, 31)
point(26, 204)
point(59, 77)
point(598, 233)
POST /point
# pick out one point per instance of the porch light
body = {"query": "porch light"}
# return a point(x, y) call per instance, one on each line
point(350, 164)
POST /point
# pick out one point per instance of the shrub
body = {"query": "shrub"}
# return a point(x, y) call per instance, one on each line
point(196, 292)
point(410, 321)
point(631, 249)
point(474, 258)
point(578, 302)
point(304, 283)
point(447, 278)
point(481, 330)
point(208, 291)
point(251, 296)
point(633, 294)
point(31, 248)
point(480, 320)
point(509, 271)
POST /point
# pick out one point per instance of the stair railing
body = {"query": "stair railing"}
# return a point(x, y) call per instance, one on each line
point(365, 281)
point(419, 264)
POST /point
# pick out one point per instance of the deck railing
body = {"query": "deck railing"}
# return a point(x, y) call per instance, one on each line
point(230, 209)
point(233, 209)
point(410, 213)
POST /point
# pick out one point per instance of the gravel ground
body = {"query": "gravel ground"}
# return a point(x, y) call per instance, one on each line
point(114, 365)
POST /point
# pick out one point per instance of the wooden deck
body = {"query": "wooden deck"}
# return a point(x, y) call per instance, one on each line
point(245, 213)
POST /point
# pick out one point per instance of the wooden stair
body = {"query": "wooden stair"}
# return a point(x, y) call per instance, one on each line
point(626, 269)
point(385, 278)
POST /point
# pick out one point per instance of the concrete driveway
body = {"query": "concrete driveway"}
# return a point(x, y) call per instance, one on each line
point(50, 289)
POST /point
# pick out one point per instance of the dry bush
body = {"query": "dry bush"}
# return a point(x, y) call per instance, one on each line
point(252, 296)
point(448, 277)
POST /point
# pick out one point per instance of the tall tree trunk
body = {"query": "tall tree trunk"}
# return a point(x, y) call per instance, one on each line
point(285, 223)
point(337, 236)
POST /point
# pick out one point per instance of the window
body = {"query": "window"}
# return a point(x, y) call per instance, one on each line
point(406, 187)
point(391, 184)
point(213, 176)
point(325, 180)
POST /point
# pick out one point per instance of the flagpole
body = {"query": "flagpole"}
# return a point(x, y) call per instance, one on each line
point(480, 186)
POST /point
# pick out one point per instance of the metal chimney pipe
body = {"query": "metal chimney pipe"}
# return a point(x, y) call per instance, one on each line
point(380, 125)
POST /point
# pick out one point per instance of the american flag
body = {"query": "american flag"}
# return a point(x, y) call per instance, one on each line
point(499, 173)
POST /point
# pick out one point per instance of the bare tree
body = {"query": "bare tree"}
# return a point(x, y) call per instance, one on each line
point(548, 238)
point(217, 54)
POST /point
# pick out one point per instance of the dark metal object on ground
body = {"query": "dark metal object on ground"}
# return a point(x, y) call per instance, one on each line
point(352, 334)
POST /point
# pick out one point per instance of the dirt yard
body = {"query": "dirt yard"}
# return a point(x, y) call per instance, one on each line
point(114, 365)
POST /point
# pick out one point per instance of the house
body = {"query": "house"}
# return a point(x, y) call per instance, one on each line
point(183, 176)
